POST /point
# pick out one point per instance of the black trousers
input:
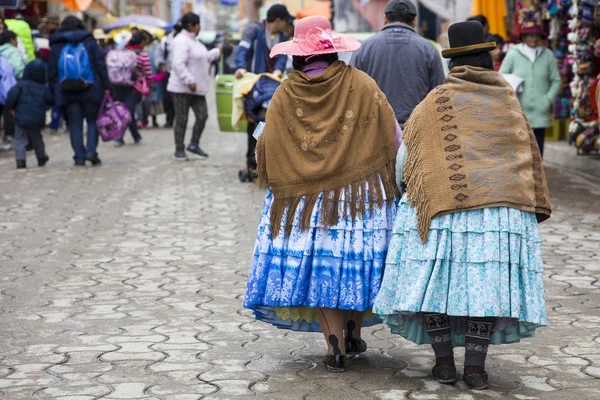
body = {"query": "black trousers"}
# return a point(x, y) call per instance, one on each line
point(251, 153)
point(9, 122)
point(169, 107)
point(183, 102)
point(540, 137)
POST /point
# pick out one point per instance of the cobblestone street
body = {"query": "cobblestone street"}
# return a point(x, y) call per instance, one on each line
point(126, 282)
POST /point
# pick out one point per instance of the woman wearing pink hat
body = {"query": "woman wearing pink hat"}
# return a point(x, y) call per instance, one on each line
point(327, 159)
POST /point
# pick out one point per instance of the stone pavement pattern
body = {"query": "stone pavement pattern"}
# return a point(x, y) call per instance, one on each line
point(126, 281)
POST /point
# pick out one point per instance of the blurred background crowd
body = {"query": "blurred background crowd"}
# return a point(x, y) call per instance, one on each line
point(568, 29)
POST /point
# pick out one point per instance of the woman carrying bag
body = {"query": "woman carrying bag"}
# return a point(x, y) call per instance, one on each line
point(79, 103)
point(142, 85)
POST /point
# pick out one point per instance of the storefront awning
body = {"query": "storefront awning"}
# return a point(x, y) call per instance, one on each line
point(495, 12)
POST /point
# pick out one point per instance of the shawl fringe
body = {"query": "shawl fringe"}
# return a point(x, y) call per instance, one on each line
point(330, 136)
point(262, 180)
point(414, 176)
point(381, 186)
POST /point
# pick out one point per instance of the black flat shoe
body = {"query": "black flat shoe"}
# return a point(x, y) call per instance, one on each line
point(335, 363)
point(42, 161)
point(477, 381)
point(445, 374)
point(94, 160)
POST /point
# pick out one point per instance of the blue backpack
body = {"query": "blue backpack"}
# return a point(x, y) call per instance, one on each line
point(75, 71)
point(260, 97)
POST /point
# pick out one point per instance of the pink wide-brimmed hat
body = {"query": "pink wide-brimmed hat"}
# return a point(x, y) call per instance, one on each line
point(314, 36)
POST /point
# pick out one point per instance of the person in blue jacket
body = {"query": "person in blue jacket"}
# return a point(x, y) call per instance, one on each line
point(253, 56)
point(28, 102)
point(82, 104)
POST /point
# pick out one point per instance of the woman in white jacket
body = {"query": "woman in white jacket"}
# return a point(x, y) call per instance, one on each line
point(188, 83)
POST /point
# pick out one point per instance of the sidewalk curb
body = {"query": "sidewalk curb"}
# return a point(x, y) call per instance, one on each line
point(561, 156)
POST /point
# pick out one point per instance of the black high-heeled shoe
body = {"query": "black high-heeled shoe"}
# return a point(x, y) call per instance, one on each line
point(353, 345)
point(335, 363)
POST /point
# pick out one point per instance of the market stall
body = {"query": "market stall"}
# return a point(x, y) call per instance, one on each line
point(573, 28)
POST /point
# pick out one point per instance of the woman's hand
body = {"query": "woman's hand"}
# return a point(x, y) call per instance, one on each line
point(239, 73)
point(192, 87)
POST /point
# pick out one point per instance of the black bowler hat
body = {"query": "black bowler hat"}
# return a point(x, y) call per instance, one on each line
point(467, 38)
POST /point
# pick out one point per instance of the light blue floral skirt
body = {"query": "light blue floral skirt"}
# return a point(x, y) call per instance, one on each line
point(338, 267)
point(478, 263)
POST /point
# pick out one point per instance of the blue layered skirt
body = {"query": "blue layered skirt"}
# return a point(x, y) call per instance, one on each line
point(337, 267)
point(476, 263)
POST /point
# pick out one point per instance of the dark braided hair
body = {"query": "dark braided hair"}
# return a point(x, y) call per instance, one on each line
point(482, 60)
point(299, 62)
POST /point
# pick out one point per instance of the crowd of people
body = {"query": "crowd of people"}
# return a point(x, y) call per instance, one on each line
point(149, 76)
point(162, 86)
point(79, 69)
point(396, 194)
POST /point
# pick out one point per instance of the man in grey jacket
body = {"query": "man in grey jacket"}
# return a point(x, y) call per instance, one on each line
point(405, 66)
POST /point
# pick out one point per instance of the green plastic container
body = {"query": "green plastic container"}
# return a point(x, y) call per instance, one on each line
point(225, 104)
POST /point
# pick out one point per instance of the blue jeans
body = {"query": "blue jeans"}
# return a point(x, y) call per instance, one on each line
point(55, 118)
point(130, 98)
point(76, 113)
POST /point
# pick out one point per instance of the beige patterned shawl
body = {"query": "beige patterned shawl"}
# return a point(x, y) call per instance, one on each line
point(470, 146)
point(331, 134)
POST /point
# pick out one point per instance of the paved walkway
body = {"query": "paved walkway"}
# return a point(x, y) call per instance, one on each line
point(125, 282)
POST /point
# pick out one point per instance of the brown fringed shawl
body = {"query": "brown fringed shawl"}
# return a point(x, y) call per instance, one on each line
point(333, 133)
point(470, 146)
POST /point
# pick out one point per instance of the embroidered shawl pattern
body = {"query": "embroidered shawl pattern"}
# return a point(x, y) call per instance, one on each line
point(470, 146)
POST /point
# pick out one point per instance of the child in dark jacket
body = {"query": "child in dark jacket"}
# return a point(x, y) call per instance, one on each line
point(28, 101)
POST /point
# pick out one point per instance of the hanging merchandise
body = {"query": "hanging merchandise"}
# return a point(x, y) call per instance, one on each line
point(582, 52)
point(573, 29)
point(558, 11)
point(530, 11)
